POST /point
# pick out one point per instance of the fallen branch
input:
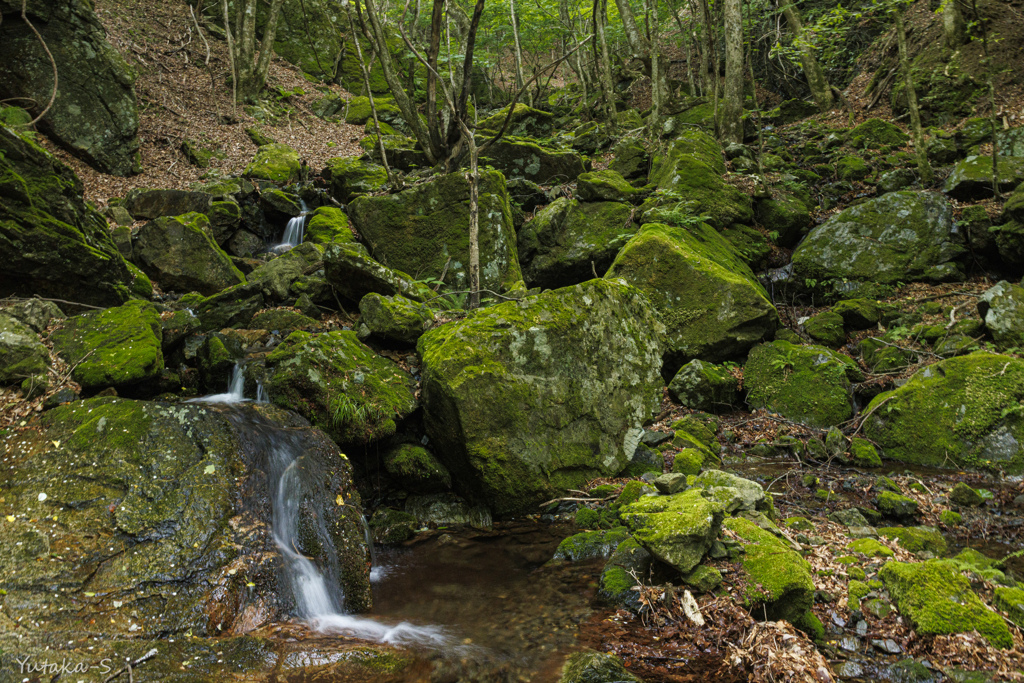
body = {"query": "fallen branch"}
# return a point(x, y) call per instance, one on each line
point(53, 95)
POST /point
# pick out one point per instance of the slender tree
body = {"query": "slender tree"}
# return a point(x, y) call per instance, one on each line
point(820, 89)
point(923, 167)
point(249, 65)
point(732, 111)
point(953, 27)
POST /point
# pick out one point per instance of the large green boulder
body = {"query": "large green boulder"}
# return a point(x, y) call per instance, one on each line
point(524, 121)
point(875, 133)
point(159, 535)
point(937, 599)
point(95, 114)
point(353, 274)
point(568, 242)
point(677, 529)
point(528, 398)
point(53, 243)
point(425, 230)
point(898, 237)
point(277, 277)
point(690, 171)
point(118, 347)
point(525, 158)
point(275, 163)
point(603, 186)
point(786, 215)
point(394, 318)
point(21, 353)
point(972, 177)
point(359, 110)
point(328, 224)
point(806, 384)
point(779, 582)
point(960, 412)
point(631, 160)
point(180, 253)
point(351, 176)
point(1002, 309)
point(339, 385)
point(708, 299)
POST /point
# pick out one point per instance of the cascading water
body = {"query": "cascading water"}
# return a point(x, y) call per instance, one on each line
point(294, 232)
point(235, 392)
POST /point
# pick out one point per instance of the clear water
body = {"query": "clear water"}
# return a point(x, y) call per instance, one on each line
point(235, 392)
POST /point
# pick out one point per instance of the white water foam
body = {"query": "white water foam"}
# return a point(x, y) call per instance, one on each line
point(234, 394)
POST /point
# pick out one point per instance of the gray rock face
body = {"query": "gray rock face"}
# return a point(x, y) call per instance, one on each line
point(150, 204)
point(21, 353)
point(528, 398)
point(95, 115)
point(704, 386)
point(900, 236)
point(524, 158)
point(1002, 308)
point(750, 493)
point(972, 177)
point(179, 252)
point(52, 243)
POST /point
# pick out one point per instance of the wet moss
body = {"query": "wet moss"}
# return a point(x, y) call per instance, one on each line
point(591, 544)
point(870, 547)
point(677, 529)
point(916, 538)
point(780, 586)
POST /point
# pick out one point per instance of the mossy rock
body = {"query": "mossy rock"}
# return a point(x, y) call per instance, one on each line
point(525, 158)
point(567, 242)
point(350, 177)
point(629, 559)
point(591, 544)
point(898, 237)
point(875, 133)
point(858, 314)
point(689, 461)
point(703, 578)
point(677, 529)
point(359, 111)
point(1002, 308)
point(972, 177)
point(391, 527)
point(916, 538)
point(415, 469)
point(603, 186)
point(708, 299)
point(779, 584)
point(328, 224)
point(425, 230)
point(807, 384)
point(704, 386)
point(750, 244)
point(276, 163)
point(118, 347)
point(826, 328)
point(277, 277)
point(950, 518)
point(595, 667)
point(965, 496)
point(691, 171)
point(526, 121)
point(852, 168)
point(864, 454)
point(953, 414)
point(180, 253)
point(282, 319)
point(521, 398)
point(1011, 601)
point(895, 505)
point(395, 319)
point(632, 161)
point(22, 355)
point(339, 385)
point(870, 547)
point(354, 274)
point(937, 600)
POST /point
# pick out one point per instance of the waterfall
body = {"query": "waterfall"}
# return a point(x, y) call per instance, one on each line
point(235, 392)
point(294, 232)
point(318, 597)
point(261, 392)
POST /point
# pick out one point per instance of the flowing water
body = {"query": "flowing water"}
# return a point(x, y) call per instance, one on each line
point(235, 392)
point(294, 232)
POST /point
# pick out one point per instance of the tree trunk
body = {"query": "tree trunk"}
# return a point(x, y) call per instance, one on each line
point(657, 87)
point(923, 167)
point(732, 111)
point(518, 50)
point(634, 38)
point(369, 93)
point(820, 88)
point(953, 27)
point(604, 64)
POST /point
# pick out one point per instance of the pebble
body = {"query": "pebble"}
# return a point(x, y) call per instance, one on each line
point(888, 646)
point(862, 628)
point(850, 644)
point(850, 670)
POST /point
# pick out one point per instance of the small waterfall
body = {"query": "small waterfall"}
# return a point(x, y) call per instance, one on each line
point(318, 597)
point(377, 571)
point(294, 232)
point(261, 393)
point(235, 392)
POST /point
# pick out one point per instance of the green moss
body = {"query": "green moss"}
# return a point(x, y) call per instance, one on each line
point(870, 547)
point(852, 168)
point(808, 384)
point(864, 454)
point(875, 133)
point(630, 493)
point(525, 121)
point(916, 538)
point(605, 186)
point(937, 600)
point(118, 347)
point(416, 469)
point(391, 527)
point(677, 529)
point(282, 319)
point(810, 624)
point(1011, 601)
point(275, 162)
point(799, 523)
point(950, 518)
point(689, 461)
point(826, 328)
point(703, 578)
point(896, 505)
point(591, 544)
point(359, 111)
point(953, 413)
point(856, 573)
point(780, 585)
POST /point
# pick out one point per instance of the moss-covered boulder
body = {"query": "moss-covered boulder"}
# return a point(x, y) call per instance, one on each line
point(525, 121)
point(900, 236)
point(425, 230)
point(359, 110)
point(95, 114)
point(350, 72)
point(972, 177)
point(282, 320)
point(394, 318)
point(916, 539)
point(339, 385)
point(632, 161)
point(677, 529)
point(875, 133)
point(1010, 601)
point(595, 667)
point(708, 299)
point(779, 582)
point(22, 355)
point(415, 469)
point(147, 204)
point(750, 494)
point(328, 224)
point(532, 397)
point(277, 278)
point(806, 384)
point(567, 242)
point(852, 168)
point(960, 412)
point(785, 214)
point(119, 347)
point(938, 600)
point(350, 177)
point(153, 538)
point(591, 544)
point(180, 253)
point(704, 386)
point(895, 505)
point(276, 163)
point(1002, 309)
point(629, 559)
point(858, 314)
point(826, 328)
point(525, 158)
point(603, 186)
point(691, 171)
point(965, 496)
point(354, 274)
point(53, 243)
